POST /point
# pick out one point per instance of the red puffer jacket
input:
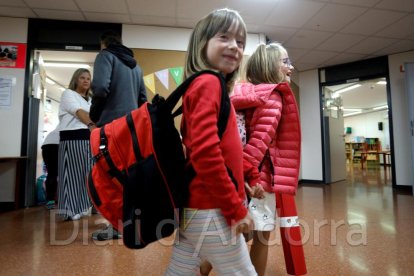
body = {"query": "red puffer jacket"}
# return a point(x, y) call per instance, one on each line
point(272, 123)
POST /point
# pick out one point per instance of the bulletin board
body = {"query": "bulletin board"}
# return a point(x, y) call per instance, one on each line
point(164, 68)
point(12, 55)
point(154, 61)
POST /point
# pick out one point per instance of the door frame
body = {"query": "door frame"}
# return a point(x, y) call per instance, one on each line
point(45, 34)
point(355, 72)
point(409, 84)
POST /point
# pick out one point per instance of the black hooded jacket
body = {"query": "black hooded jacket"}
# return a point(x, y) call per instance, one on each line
point(117, 85)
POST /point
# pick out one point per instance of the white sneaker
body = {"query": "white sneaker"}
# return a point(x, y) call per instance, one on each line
point(87, 212)
point(75, 217)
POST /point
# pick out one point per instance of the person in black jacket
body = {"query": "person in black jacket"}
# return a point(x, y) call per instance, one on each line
point(118, 85)
point(118, 88)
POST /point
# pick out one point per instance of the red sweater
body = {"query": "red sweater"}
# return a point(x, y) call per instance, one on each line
point(212, 187)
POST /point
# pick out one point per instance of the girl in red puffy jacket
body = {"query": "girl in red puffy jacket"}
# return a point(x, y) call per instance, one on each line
point(272, 138)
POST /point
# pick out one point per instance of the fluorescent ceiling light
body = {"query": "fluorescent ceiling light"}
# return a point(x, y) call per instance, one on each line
point(352, 109)
point(352, 113)
point(66, 65)
point(49, 81)
point(382, 82)
point(380, 107)
point(342, 90)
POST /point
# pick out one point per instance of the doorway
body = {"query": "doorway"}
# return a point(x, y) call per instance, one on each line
point(356, 127)
point(61, 36)
point(57, 68)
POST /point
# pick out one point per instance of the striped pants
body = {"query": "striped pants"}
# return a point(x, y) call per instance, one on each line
point(205, 235)
point(74, 164)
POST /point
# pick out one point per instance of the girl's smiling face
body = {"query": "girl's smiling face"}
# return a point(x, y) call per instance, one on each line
point(224, 51)
point(286, 67)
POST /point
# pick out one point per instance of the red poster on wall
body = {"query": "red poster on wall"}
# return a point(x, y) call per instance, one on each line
point(12, 55)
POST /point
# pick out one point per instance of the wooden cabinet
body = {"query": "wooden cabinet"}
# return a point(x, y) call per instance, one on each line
point(353, 151)
point(348, 152)
point(368, 149)
point(373, 146)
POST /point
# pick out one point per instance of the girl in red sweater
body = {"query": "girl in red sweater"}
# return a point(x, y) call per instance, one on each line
point(216, 216)
point(273, 138)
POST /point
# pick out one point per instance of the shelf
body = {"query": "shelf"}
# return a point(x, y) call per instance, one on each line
point(354, 150)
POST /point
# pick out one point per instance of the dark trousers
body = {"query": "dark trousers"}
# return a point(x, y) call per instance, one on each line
point(50, 157)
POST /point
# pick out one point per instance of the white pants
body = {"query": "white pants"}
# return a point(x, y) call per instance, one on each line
point(204, 234)
point(263, 212)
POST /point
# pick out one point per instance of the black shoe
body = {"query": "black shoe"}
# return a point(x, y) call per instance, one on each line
point(94, 211)
point(108, 233)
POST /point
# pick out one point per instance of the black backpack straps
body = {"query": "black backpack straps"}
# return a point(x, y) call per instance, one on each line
point(223, 117)
point(134, 137)
point(175, 96)
point(103, 148)
point(178, 93)
point(224, 104)
point(224, 108)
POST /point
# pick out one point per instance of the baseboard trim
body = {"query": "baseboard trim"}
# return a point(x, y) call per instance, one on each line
point(403, 189)
point(7, 206)
point(307, 181)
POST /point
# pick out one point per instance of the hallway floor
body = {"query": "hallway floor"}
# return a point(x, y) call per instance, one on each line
point(355, 227)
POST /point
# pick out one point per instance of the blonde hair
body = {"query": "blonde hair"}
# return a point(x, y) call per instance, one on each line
point(263, 66)
point(217, 21)
point(74, 81)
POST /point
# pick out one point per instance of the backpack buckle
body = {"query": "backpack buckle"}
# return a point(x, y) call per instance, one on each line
point(97, 157)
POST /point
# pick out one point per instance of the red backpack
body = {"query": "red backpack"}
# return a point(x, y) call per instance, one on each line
point(139, 179)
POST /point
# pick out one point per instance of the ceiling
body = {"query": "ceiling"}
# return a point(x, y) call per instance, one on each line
point(61, 75)
point(368, 97)
point(316, 33)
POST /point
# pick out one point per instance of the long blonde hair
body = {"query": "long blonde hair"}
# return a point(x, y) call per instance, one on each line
point(263, 66)
point(217, 21)
point(74, 81)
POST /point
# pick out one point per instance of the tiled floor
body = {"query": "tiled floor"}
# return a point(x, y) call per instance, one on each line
point(354, 227)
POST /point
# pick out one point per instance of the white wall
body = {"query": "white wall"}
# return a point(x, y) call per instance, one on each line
point(310, 116)
point(11, 30)
point(366, 125)
point(15, 30)
point(165, 38)
point(401, 134)
point(311, 128)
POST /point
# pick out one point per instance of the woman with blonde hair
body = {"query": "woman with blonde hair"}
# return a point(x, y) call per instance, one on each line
point(74, 156)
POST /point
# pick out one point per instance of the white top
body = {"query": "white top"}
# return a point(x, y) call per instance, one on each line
point(241, 125)
point(70, 102)
point(52, 138)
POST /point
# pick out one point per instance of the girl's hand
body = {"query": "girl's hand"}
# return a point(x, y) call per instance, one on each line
point(255, 191)
point(244, 225)
point(258, 191)
point(249, 190)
